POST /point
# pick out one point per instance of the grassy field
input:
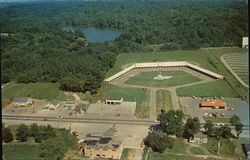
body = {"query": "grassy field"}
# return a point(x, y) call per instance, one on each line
point(238, 152)
point(217, 119)
point(179, 147)
point(21, 151)
point(128, 154)
point(48, 91)
point(163, 98)
point(197, 150)
point(129, 94)
point(216, 88)
point(160, 156)
point(147, 79)
point(205, 58)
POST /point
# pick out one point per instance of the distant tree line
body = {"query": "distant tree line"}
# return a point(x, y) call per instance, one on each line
point(39, 50)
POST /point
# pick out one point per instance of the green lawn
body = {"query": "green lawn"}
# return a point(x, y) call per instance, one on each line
point(205, 58)
point(179, 147)
point(197, 150)
point(48, 91)
point(141, 97)
point(217, 119)
point(163, 98)
point(215, 88)
point(161, 156)
point(147, 79)
point(21, 151)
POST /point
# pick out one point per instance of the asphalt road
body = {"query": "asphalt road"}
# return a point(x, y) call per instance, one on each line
point(79, 120)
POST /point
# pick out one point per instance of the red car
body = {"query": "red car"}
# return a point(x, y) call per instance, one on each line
point(45, 119)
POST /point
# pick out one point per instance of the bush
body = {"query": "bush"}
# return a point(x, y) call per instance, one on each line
point(7, 135)
point(22, 133)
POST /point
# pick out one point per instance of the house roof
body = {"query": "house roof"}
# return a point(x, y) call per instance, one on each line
point(200, 135)
point(70, 102)
point(115, 98)
point(207, 103)
point(55, 102)
point(20, 99)
point(245, 41)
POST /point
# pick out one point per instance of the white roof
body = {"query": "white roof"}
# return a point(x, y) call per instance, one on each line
point(162, 64)
point(245, 41)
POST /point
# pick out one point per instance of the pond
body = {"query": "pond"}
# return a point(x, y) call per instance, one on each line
point(97, 34)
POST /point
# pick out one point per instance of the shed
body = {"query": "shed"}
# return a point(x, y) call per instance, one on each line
point(198, 138)
point(116, 100)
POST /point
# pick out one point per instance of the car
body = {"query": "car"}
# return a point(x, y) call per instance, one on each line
point(221, 97)
point(45, 119)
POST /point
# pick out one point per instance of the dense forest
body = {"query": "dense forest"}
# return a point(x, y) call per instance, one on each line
point(37, 49)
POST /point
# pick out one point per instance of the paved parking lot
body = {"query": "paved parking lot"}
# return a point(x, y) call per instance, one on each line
point(240, 108)
point(124, 108)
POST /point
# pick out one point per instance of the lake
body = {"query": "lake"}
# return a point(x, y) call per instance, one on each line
point(97, 34)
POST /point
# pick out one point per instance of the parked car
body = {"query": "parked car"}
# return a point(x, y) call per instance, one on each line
point(45, 119)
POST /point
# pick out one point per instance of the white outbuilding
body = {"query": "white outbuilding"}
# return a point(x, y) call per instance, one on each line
point(245, 42)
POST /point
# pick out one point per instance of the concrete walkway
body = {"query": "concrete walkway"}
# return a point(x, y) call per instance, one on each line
point(138, 154)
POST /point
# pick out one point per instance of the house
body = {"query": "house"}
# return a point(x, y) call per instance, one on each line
point(52, 105)
point(70, 104)
point(102, 146)
point(213, 105)
point(198, 138)
point(246, 149)
point(114, 101)
point(22, 102)
point(245, 42)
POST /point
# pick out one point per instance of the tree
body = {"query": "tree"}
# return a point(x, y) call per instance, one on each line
point(191, 127)
point(158, 141)
point(235, 121)
point(7, 135)
point(52, 148)
point(209, 127)
point(22, 133)
point(172, 122)
point(36, 132)
point(47, 132)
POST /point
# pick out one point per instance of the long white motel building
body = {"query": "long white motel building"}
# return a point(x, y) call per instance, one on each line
point(162, 65)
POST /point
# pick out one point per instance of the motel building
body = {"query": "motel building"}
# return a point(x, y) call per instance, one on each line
point(213, 105)
point(103, 146)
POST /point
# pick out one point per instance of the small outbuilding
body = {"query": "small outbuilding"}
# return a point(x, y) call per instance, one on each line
point(213, 105)
point(245, 42)
point(198, 138)
point(114, 101)
point(22, 102)
point(52, 105)
point(70, 104)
